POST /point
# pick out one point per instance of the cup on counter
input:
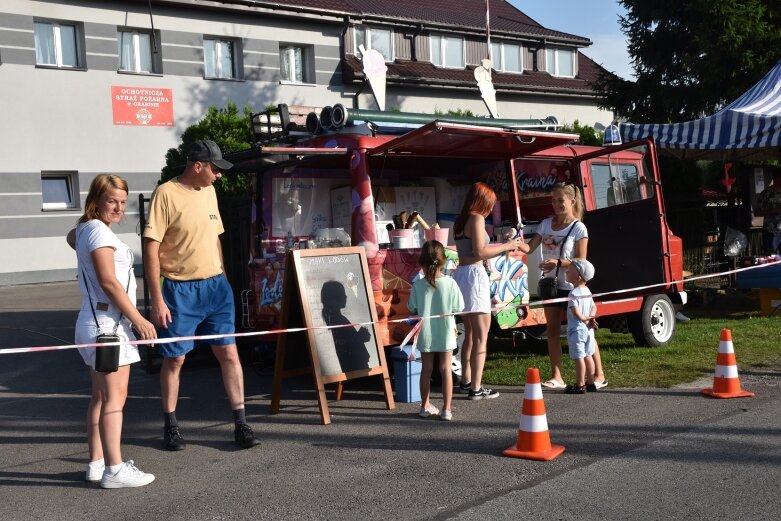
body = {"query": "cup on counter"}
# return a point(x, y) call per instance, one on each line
point(403, 238)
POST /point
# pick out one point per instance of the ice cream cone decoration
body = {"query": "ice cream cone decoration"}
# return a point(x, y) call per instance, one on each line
point(726, 383)
point(487, 91)
point(375, 70)
point(533, 436)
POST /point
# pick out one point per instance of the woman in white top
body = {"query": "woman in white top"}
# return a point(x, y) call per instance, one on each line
point(565, 225)
point(105, 272)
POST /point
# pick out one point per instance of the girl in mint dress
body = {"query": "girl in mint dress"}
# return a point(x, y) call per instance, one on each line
point(435, 294)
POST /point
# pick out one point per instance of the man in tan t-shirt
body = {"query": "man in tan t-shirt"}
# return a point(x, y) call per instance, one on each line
point(182, 245)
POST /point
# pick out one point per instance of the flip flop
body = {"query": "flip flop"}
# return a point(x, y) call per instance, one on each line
point(600, 385)
point(553, 384)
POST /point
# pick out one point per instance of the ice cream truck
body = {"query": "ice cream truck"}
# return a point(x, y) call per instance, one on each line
point(388, 181)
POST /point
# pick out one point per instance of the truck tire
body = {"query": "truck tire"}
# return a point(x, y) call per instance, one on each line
point(654, 324)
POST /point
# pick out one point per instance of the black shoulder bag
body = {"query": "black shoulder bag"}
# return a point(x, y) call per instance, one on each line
point(106, 357)
point(548, 287)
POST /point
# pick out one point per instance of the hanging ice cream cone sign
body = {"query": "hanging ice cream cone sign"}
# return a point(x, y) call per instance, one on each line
point(484, 82)
point(375, 70)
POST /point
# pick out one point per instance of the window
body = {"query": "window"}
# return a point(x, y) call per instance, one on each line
point(60, 190)
point(220, 59)
point(616, 183)
point(295, 63)
point(380, 40)
point(560, 62)
point(507, 57)
point(135, 51)
point(57, 44)
point(447, 51)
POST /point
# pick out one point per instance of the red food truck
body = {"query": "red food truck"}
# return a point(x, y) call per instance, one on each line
point(345, 186)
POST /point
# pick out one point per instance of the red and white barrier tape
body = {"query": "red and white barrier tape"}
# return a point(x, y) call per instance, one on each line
point(415, 329)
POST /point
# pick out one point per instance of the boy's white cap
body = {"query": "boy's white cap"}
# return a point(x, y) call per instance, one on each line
point(585, 269)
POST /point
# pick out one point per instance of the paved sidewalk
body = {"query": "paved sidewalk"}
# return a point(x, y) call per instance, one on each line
point(630, 453)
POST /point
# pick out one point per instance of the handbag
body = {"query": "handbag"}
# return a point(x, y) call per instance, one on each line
point(106, 357)
point(548, 287)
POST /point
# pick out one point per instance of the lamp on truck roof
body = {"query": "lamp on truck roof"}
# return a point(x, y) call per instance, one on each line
point(611, 136)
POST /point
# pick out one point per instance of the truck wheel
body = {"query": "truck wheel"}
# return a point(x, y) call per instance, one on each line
point(654, 324)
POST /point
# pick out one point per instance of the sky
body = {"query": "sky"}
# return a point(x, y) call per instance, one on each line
point(597, 20)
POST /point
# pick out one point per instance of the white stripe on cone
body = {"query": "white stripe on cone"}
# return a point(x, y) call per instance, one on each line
point(725, 347)
point(726, 371)
point(532, 392)
point(534, 423)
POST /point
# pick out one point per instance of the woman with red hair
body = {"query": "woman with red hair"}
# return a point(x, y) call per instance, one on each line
point(472, 245)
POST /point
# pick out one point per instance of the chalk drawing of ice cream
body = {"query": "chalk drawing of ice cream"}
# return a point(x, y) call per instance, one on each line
point(375, 70)
point(487, 91)
point(352, 283)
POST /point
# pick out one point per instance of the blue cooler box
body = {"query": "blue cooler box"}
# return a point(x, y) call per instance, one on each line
point(406, 374)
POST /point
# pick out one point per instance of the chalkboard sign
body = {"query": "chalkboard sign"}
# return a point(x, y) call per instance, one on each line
point(328, 292)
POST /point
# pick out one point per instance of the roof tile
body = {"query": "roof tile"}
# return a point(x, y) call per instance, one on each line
point(411, 71)
point(468, 14)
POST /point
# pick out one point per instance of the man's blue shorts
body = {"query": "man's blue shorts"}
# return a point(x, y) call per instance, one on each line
point(198, 307)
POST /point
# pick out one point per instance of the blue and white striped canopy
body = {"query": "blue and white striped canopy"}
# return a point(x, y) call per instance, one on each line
point(747, 128)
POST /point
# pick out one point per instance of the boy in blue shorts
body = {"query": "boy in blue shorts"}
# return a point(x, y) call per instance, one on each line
point(580, 326)
point(183, 245)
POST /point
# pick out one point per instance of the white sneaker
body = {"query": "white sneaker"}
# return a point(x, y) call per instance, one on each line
point(95, 473)
point(427, 413)
point(127, 476)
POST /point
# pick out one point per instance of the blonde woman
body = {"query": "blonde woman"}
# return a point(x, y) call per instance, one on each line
point(565, 226)
point(108, 289)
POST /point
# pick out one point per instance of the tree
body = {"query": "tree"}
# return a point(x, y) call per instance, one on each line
point(691, 58)
point(588, 136)
point(227, 128)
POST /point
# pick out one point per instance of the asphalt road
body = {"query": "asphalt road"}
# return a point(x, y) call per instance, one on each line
point(630, 453)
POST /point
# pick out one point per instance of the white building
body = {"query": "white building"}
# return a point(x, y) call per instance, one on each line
point(90, 86)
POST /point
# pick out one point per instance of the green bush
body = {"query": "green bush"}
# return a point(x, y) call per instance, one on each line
point(230, 130)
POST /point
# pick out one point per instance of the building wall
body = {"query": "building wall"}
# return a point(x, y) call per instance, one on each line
point(62, 120)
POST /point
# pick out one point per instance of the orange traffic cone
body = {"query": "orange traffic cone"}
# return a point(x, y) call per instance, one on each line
point(726, 383)
point(533, 436)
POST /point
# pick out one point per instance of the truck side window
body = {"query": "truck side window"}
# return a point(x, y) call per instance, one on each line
point(616, 183)
point(603, 186)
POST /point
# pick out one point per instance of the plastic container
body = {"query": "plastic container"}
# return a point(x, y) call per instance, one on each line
point(438, 234)
point(403, 238)
point(331, 238)
point(406, 375)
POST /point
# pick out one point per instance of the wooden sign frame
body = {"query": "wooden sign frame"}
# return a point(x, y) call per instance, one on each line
point(317, 286)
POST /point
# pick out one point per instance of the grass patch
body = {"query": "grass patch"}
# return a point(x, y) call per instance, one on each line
point(691, 354)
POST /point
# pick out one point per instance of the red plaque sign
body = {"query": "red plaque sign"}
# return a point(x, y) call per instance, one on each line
point(149, 106)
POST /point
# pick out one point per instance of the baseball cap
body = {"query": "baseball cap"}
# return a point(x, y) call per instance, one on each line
point(206, 150)
point(585, 269)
